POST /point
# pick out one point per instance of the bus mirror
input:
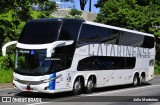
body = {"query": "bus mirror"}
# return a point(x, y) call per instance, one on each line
point(6, 45)
point(57, 44)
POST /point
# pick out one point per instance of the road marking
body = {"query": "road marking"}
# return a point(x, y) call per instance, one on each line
point(39, 103)
point(123, 90)
point(6, 88)
point(94, 94)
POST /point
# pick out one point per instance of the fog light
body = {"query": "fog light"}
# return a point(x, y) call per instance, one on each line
point(46, 88)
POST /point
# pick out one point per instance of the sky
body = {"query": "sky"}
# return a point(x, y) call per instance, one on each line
point(77, 5)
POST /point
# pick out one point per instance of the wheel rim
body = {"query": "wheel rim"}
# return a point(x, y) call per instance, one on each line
point(77, 86)
point(90, 85)
point(135, 82)
point(142, 79)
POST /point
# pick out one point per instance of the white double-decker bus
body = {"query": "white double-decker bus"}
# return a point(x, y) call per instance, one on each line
point(58, 55)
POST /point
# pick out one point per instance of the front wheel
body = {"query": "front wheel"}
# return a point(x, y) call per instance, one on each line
point(90, 86)
point(77, 87)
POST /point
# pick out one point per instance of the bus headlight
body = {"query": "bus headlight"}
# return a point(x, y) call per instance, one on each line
point(46, 80)
point(51, 79)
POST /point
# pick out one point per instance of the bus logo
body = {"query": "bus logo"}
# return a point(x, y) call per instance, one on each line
point(32, 52)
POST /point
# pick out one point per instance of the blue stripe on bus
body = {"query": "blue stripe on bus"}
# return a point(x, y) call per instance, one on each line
point(52, 83)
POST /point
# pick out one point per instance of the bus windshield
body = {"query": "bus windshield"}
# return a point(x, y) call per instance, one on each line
point(34, 62)
point(31, 62)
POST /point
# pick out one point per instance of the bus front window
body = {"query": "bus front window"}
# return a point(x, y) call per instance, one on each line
point(32, 62)
point(35, 62)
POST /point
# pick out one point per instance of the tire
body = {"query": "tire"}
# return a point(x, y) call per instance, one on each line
point(141, 80)
point(77, 87)
point(90, 86)
point(135, 81)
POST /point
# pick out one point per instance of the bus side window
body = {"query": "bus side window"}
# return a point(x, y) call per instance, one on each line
point(148, 42)
point(130, 39)
point(106, 63)
point(97, 34)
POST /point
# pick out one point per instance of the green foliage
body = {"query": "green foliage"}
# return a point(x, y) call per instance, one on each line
point(131, 14)
point(6, 76)
point(13, 15)
point(99, 3)
point(5, 62)
point(75, 12)
point(22, 62)
point(157, 67)
point(47, 9)
point(50, 6)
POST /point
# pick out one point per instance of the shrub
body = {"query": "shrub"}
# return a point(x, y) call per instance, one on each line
point(5, 62)
point(75, 12)
point(157, 67)
point(6, 76)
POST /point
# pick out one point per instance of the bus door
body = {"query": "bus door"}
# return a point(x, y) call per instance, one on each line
point(59, 69)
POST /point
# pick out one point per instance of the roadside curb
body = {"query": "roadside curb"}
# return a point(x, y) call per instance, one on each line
point(157, 75)
point(5, 85)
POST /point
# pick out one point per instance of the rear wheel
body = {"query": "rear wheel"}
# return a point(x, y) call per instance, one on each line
point(77, 87)
point(135, 81)
point(141, 80)
point(90, 86)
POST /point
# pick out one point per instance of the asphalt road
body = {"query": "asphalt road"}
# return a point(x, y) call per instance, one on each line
point(147, 94)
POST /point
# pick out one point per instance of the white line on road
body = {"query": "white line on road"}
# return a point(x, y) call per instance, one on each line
point(96, 94)
point(122, 90)
point(38, 103)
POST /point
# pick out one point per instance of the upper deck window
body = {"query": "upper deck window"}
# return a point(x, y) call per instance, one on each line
point(70, 30)
point(96, 34)
point(40, 32)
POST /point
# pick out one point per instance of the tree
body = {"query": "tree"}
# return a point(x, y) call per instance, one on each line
point(75, 12)
point(99, 3)
point(13, 13)
point(139, 2)
point(82, 4)
point(129, 14)
point(48, 8)
point(90, 5)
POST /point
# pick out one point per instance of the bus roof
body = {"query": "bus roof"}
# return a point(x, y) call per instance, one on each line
point(118, 28)
point(96, 24)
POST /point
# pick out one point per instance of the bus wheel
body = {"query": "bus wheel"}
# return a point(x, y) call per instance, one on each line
point(90, 85)
point(142, 80)
point(77, 87)
point(135, 81)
